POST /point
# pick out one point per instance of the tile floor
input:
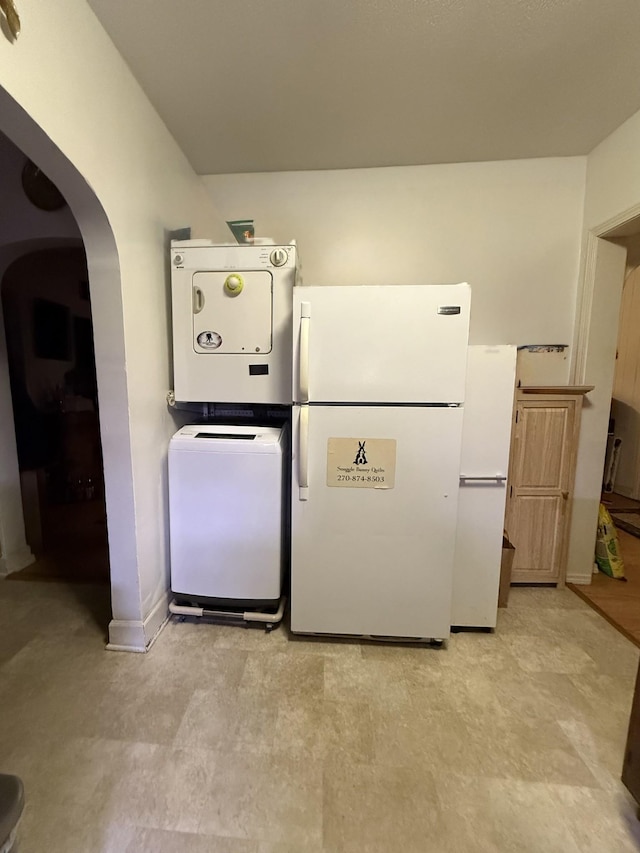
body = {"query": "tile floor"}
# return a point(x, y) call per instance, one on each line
point(227, 740)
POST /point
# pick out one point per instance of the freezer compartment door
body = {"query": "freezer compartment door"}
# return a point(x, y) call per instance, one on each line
point(486, 438)
point(380, 344)
point(373, 519)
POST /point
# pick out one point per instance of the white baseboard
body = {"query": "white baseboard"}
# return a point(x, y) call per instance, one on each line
point(157, 619)
point(579, 580)
point(133, 635)
point(114, 647)
point(16, 560)
point(126, 635)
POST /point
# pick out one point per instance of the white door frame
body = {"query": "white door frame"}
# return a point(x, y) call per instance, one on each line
point(591, 289)
point(584, 304)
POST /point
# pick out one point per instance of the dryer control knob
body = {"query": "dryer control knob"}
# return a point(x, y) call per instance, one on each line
point(279, 257)
point(178, 259)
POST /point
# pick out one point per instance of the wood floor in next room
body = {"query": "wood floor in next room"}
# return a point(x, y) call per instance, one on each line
point(228, 740)
point(74, 545)
point(619, 601)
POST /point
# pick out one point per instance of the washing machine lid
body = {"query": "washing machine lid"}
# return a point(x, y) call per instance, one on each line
point(226, 438)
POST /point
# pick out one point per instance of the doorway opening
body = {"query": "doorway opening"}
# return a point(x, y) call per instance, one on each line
point(110, 607)
point(48, 326)
point(618, 600)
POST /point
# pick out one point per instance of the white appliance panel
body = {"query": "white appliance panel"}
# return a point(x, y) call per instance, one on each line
point(380, 344)
point(486, 439)
point(228, 321)
point(225, 508)
point(374, 561)
point(231, 374)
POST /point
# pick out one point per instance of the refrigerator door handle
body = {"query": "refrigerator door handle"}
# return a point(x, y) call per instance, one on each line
point(303, 455)
point(303, 371)
point(489, 478)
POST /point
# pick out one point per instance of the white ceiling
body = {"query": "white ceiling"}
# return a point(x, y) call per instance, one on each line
point(266, 85)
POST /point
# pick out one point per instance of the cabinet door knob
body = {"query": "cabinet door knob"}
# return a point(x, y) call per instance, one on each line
point(565, 495)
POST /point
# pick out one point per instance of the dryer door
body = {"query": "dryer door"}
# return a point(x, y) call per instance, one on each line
point(232, 312)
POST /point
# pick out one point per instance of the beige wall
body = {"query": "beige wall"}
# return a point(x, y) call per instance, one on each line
point(511, 229)
point(613, 175)
point(68, 100)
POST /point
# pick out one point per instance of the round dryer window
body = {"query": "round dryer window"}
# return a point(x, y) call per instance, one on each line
point(209, 340)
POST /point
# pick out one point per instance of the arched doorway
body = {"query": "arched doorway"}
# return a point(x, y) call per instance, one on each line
point(125, 628)
point(49, 334)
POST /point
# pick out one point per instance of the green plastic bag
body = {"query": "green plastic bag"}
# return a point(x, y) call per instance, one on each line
point(608, 555)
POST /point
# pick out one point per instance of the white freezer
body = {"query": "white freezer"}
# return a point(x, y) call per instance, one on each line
point(225, 513)
point(486, 438)
point(368, 559)
point(380, 344)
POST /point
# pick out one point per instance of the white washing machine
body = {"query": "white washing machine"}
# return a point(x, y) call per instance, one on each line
point(232, 321)
point(226, 515)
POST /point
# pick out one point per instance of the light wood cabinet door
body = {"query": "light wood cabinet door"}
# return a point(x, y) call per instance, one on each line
point(540, 485)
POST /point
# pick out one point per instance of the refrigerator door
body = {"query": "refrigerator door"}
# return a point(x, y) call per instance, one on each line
point(373, 519)
point(486, 438)
point(380, 344)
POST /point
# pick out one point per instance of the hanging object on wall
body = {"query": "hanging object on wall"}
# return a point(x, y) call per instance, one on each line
point(542, 364)
point(39, 189)
point(242, 230)
point(11, 14)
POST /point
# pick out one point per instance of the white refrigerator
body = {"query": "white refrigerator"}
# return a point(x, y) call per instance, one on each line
point(378, 389)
